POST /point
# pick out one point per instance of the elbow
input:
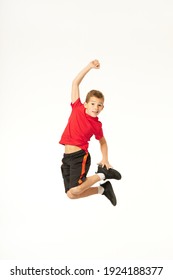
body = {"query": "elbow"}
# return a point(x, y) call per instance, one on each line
point(75, 83)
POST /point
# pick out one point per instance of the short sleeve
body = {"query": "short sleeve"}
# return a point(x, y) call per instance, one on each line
point(99, 131)
point(77, 103)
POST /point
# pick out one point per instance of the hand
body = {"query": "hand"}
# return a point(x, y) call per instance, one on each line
point(95, 64)
point(105, 163)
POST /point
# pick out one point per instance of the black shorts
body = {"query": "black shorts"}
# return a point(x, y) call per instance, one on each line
point(74, 168)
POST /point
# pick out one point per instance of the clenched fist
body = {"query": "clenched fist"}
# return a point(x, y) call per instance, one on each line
point(95, 64)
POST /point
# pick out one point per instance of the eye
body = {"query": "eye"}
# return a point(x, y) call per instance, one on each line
point(92, 103)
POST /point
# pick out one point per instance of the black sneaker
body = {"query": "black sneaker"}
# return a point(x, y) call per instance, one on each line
point(109, 193)
point(109, 173)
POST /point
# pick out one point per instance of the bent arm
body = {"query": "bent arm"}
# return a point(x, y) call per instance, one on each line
point(75, 93)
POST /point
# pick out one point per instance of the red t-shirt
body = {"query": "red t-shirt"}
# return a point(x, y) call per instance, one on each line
point(81, 127)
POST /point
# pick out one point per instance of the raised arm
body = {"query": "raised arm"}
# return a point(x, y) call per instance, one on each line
point(75, 93)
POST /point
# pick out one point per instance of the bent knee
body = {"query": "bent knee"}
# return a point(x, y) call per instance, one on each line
point(70, 195)
point(76, 190)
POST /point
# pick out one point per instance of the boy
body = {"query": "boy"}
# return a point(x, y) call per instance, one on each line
point(83, 123)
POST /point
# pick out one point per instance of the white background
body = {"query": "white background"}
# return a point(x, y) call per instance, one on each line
point(44, 44)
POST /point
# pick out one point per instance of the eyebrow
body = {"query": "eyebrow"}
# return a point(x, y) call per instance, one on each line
point(96, 102)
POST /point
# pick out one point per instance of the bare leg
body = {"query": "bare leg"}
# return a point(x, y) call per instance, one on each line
point(85, 185)
point(86, 193)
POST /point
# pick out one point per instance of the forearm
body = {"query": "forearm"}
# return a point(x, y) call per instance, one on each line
point(104, 151)
point(78, 79)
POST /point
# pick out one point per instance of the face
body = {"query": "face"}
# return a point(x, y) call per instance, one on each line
point(94, 106)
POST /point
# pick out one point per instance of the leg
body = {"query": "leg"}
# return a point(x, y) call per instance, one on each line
point(88, 192)
point(74, 169)
point(85, 185)
point(108, 192)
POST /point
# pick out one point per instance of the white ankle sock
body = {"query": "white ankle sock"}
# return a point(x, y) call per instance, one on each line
point(100, 190)
point(101, 176)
